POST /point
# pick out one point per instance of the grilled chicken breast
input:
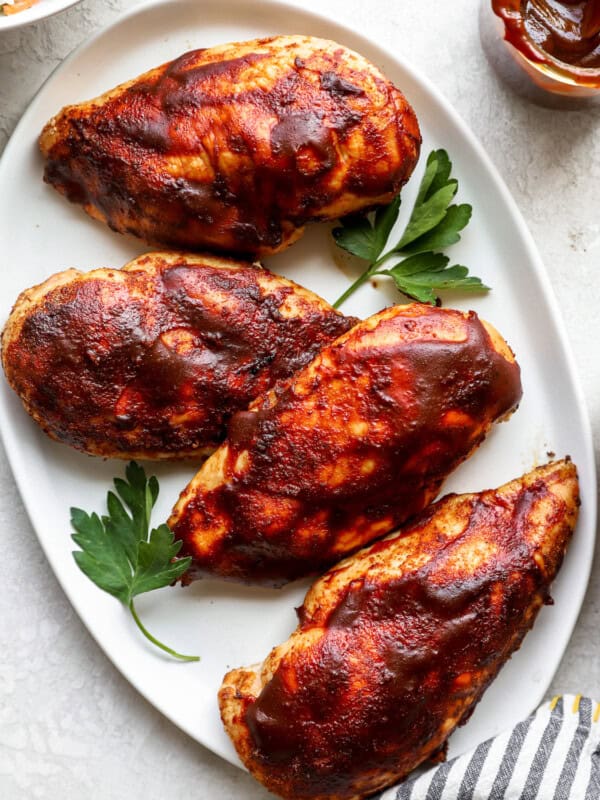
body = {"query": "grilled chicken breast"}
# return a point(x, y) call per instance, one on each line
point(397, 644)
point(349, 447)
point(151, 360)
point(237, 147)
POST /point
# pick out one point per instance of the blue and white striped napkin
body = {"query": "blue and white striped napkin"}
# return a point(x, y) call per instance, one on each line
point(552, 755)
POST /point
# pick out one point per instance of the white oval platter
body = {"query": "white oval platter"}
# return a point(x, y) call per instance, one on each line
point(234, 625)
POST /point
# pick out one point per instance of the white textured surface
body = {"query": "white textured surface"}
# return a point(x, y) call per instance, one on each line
point(70, 726)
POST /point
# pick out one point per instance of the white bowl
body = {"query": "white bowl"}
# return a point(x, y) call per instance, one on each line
point(41, 10)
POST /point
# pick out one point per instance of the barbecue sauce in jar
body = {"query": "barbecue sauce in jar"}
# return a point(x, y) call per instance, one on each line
point(555, 42)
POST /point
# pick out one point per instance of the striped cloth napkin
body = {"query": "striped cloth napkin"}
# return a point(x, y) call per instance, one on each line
point(552, 755)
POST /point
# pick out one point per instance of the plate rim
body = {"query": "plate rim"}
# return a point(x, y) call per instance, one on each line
point(432, 93)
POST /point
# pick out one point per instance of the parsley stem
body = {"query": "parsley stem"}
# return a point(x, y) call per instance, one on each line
point(357, 283)
point(372, 270)
point(155, 641)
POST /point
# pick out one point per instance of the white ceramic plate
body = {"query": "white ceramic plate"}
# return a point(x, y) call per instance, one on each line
point(229, 625)
point(41, 10)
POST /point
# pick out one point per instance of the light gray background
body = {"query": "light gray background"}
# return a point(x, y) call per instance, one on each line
point(70, 725)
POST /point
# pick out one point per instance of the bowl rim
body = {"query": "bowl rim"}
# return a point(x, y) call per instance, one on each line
point(39, 11)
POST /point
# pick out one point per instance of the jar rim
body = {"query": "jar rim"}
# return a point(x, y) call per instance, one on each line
point(561, 71)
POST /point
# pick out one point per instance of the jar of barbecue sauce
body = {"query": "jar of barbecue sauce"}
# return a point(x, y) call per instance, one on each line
point(547, 50)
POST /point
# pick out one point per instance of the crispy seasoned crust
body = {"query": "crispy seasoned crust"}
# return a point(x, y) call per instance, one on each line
point(151, 360)
point(396, 645)
point(237, 147)
point(349, 447)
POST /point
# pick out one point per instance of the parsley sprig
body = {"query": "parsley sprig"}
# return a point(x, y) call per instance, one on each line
point(419, 271)
point(120, 554)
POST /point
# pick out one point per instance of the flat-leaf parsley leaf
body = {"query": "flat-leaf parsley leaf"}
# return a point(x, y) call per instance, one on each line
point(435, 223)
point(120, 553)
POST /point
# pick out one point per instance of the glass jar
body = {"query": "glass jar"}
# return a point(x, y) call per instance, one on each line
point(529, 70)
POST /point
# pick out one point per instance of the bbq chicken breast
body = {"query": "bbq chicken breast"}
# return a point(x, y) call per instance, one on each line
point(151, 360)
point(349, 447)
point(235, 148)
point(396, 645)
